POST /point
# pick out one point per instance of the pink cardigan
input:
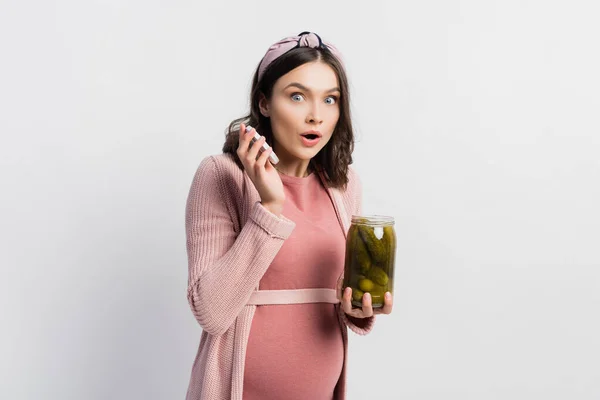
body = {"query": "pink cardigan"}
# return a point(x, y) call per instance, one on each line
point(231, 241)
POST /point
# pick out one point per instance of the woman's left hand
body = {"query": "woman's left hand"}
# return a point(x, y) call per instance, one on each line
point(367, 310)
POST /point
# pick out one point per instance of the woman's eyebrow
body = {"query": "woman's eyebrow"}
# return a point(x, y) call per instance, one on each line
point(301, 86)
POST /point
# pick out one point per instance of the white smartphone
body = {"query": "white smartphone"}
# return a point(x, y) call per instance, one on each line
point(272, 157)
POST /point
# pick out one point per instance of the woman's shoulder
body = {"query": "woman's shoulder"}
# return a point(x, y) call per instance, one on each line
point(219, 169)
point(222, 165)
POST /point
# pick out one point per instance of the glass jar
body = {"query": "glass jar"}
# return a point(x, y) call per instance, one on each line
point(370, 257)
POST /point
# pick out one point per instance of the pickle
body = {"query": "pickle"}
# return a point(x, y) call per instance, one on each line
point(356, 279)
point(376, 291)
point(366, 285)
point(388, 236)
point(378, 276)
point(362, 255)
point(376, 247)
point(357, 295)
point(357, 251)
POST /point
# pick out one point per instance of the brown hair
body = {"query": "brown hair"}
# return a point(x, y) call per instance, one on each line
point(333, 160)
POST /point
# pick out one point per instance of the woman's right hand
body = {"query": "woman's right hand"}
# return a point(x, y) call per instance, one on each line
point(260, 170)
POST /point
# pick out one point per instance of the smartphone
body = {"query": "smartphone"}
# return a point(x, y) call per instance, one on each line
point(272, 157)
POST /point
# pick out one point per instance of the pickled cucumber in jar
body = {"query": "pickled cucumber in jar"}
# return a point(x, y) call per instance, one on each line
point(378, 275)
point(375, 246)
point(370, 258)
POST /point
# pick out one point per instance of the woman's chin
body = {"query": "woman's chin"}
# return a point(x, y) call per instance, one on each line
point(306, 156)
point(308, 153)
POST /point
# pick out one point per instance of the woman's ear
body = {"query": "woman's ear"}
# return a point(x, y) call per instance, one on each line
point(263, 105)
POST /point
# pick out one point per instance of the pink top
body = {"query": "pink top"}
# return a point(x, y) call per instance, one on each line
point(296, 351)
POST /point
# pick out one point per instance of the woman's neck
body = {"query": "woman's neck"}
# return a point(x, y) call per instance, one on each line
point(291, 165)
point(299, 171)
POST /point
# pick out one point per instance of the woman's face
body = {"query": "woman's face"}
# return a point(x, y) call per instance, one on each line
point(304, 99)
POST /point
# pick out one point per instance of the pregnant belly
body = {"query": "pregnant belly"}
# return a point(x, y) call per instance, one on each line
point(294, 351)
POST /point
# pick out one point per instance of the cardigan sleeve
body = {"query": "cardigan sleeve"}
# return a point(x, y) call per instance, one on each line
point(224, 266)
point(360, 326)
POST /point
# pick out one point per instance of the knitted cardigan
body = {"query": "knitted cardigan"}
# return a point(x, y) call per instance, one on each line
point(231, 241)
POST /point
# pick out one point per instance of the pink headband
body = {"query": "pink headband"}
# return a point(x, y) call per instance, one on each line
point(304, 39)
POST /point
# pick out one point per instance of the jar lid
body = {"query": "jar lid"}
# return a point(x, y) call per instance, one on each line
point(372, 220)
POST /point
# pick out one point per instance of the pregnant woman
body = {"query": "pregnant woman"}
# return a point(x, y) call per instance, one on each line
point(266, 242)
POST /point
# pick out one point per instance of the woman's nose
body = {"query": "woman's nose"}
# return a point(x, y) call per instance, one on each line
point(314, 114)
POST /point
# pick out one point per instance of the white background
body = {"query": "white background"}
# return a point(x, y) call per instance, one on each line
point(477, 125)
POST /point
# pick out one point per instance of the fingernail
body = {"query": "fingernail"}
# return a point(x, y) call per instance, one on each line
point(388, 295)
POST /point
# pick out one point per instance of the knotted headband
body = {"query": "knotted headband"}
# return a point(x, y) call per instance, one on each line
point(304, 39)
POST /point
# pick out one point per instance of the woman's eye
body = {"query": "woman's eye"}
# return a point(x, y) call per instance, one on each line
point(332, 98)
point(296, 95)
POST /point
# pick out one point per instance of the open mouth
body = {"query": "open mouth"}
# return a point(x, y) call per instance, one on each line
point(311, 136)
point(310, 139)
